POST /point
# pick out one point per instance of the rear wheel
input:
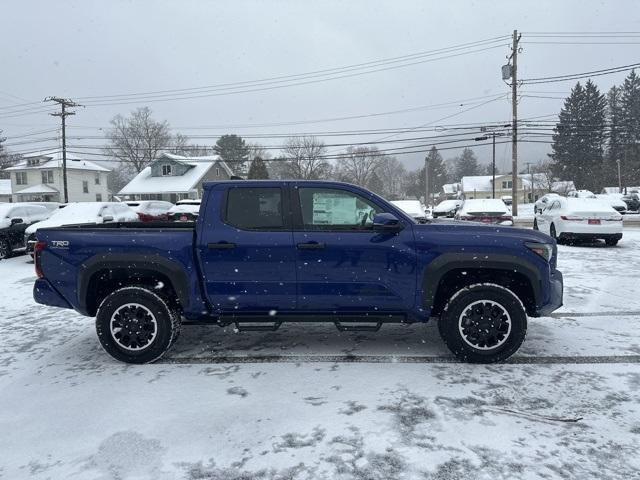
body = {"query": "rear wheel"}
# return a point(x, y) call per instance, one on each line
point(483, 323)
point(135, 325)
point(535, 224)
point(553, 234)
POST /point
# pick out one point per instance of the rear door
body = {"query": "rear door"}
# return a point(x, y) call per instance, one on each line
point(343, 265)
point(246, 250)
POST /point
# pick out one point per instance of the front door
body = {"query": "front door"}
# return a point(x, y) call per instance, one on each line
point(343, 265)
point(246, 250)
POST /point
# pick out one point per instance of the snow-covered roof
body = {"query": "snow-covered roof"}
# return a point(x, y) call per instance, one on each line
point(40, 188)
point(206, 158)
point(480, 183)
point(450, 188)
point(54, 160)
point(5, 186)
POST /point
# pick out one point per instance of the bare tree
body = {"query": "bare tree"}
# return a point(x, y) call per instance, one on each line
point(358, 165)
point(393, 173)
point(546, 177)
point(138, 139)
point(180, 145)
point(305, 159)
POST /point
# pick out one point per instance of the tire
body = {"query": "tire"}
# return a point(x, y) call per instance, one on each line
point(612, 242)
point(535, 224)
point(5, 248)
point(469, 344)
point(131, 307)
point(552, 233)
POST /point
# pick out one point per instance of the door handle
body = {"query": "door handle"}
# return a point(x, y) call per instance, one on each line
point(221, 246)
point(311, 246)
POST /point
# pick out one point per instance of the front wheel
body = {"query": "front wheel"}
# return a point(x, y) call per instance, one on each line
point(483, 323)
point(5, 248)
point(535, 224)
point(134, 325)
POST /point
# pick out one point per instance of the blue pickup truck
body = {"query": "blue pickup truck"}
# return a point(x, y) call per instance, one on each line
point(265, 252)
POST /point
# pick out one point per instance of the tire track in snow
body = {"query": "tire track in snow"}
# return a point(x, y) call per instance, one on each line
point(546, 360)
point(595, 314)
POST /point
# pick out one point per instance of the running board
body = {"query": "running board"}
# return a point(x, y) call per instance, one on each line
point(257, 326)
point(358, 327)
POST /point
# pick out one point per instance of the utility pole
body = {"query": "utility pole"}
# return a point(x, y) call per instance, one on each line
point(514, 125)
point(426, 181)
point(493, 166)
point(64, 103)
point(531, 174)
point(619, 177)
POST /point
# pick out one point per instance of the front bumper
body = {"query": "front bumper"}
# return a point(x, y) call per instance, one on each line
point(45, 294)
point(556, 285)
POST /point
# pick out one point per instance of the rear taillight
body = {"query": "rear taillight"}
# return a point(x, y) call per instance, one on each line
point(37, 248)
point(470, 218)
point(572, 218)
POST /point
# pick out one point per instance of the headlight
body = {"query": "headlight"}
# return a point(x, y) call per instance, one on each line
point(545, 250)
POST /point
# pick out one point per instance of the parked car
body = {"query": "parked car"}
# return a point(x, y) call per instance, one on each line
point(581, 194)
point(568, 219)
point(267, 252)
point(632, 200)
point(485, 210)
point(51, 206)
point(81, 213)
point(507, 199)
point(184, 211)
point(543, 202)
point(150, 210)
point(415, 208)
point(446, 208)
point(614, 200)
point(14, 219)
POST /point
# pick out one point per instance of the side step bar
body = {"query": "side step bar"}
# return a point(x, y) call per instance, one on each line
point(358, 326)
point(257, 326)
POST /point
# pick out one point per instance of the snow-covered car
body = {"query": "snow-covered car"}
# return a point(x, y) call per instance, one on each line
point(485, 210)
point(415, 208)
point(567, 219)
point(543, 202)
point(184, 211)
point(446, 208)
point(615, 200)
point(150, 210)
point(14, 219)
point(51, 206)
point(507, 199)
point(632, 200)
point(82, 213)
point(581, 194)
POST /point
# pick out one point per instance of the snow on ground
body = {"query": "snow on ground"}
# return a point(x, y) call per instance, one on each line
point(308, 402)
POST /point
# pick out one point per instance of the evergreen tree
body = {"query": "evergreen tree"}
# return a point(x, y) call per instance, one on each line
point(258, 170)
point(615, 147)
point(630, 129)
point(437, 172)
point(466, 164)
point(578, 141)
point(234, 151)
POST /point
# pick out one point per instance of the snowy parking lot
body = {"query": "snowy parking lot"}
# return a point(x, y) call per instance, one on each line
point(309, 402)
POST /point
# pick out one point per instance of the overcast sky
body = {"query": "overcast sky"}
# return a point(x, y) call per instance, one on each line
point(98, 48)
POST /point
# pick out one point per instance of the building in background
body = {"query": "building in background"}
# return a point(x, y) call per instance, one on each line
point(38, 178)
point(5, 190)
point(175, 177)
point(530, 186)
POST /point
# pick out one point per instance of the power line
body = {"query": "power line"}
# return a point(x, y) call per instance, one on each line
point(575, 76)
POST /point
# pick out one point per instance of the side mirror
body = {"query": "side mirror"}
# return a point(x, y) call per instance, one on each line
point(386, 222)
point(16, 220)
point(107, 218)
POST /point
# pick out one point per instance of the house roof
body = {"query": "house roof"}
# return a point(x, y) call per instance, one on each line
point(482, 183)
point(144, 183)
point(450, 188)
point(54, 160)
point(5, 186)
point(40, 188)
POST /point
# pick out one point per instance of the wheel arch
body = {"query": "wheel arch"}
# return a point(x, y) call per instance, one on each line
point(449, 273)
point(101, 276)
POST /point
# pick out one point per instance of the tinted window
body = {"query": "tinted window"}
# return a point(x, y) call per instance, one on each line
point(328, 208)
point(254, 208)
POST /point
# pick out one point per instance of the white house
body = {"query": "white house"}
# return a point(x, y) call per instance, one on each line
point(38, 178)
point(175, 177)
point(5, 190)
point(530, 186)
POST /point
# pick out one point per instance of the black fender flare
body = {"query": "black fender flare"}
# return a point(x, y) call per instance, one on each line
point(127, 261)
point(447, 262)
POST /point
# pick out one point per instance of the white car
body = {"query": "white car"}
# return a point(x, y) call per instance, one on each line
point(543, 202)
point(150, 210)
point(82, 212)
point(185, 211)
point(615, 200)
point(446, 208)
point(567, 219)
point(485, 210)
point(14, 219)
point(414, 208)
point(581, 194)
